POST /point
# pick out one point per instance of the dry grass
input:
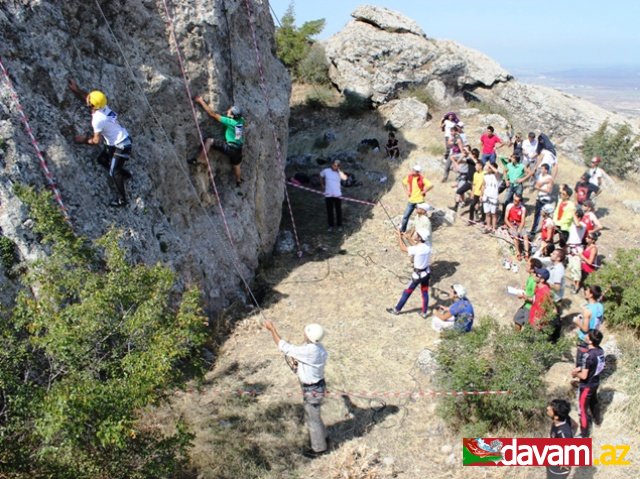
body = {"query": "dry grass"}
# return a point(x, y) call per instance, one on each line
point(345, 281)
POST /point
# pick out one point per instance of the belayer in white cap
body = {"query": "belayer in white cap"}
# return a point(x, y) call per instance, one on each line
point(233, 137)
point(308, 362)
point(459, 315)
point(416, 186)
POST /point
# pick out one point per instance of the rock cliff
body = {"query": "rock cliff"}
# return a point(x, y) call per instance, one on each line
point(381, 52)
point(126, 50)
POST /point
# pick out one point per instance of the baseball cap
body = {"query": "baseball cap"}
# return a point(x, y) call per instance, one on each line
point(543, 273)
point(423, 233)
point(460, 290)
point(416, 167)
point(425, 206)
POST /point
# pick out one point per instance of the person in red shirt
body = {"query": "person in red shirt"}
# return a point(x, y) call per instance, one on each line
point(542, 301)
point(514, 221)
point(590, 219)
point(490, 142)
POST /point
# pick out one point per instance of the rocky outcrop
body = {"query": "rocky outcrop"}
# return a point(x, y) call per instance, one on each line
point(381, 52)
point(405, 113)
point(173, 217)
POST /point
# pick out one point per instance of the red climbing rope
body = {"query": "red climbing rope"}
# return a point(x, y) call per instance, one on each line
point(43, 162)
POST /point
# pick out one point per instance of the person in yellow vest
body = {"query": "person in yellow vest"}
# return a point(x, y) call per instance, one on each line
point(416, 186)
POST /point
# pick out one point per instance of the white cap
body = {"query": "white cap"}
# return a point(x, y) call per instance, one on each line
point(460, 290)
point(425, 206)
point(314, 332)
point(423, 233)
point(416, 167)
point(548, 208)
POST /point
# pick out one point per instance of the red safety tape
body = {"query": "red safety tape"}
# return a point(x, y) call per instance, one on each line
point(369, 394)
point(43, 162)
point(312, 190)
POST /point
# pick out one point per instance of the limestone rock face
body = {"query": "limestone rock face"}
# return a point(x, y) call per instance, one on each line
point(172, 216)
point(381, 52)
point(405, 113)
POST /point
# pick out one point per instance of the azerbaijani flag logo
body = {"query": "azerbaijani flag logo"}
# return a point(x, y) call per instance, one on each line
point(476, 452)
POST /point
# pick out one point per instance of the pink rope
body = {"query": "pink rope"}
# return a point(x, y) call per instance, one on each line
point(43, 162)
point(273, 129)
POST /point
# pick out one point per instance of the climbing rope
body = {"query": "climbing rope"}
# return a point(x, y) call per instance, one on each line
point(43, 162)
point(276, 141)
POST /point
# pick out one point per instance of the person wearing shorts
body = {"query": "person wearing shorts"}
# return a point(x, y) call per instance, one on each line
point(490, 197)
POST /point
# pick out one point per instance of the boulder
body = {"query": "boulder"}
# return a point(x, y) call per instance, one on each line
point(405, 113)
point(387, 20)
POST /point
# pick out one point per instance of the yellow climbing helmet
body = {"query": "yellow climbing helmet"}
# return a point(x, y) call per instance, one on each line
point(97, 99)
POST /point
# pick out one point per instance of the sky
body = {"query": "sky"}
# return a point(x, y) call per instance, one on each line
point(524, 36)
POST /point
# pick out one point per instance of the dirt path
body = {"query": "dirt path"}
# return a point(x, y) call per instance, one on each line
point(345, 281)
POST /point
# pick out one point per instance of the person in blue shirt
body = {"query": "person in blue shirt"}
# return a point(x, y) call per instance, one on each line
point(590, 319)
point(458, 316)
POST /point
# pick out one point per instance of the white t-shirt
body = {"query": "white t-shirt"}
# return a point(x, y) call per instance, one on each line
point(529, 149)
point(105, 122)
point(549, 159)
point(544, 194)
point(556, 276)
point(311, 358)
point(448, 124)
point(595, 176)
point(331, 183)
point(421, 255)
point(491, 186)
point(576, 233)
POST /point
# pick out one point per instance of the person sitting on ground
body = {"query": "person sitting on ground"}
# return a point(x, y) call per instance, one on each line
point(416, 187)
point(544, 187)
point(117, 142)
point(421, 222)
point(420, 251)
point(234, 137)
point(563, 215)
point(490, 142)
point(514, 221)
point(465, 166)
point(584, 189)
point(330, 182)
point(490, 197)
point(522, 314)
point(392, 148)
point(542, 305)
point(477, 187)
point(590, 220)
point(596, 173)
point(574, 249)
point(588, 372)
point(589, 257)
point(561, 427)
point(458, 316)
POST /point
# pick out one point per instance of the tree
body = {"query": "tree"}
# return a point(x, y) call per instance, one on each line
point(618, 146)
point(90, 342)
point(293, 44)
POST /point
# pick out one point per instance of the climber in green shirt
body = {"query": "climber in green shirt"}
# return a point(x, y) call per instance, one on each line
point(233, 137)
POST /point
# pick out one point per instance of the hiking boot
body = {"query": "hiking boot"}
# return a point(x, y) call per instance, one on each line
point(311, 454)
point(393, 311)
point(119, 203)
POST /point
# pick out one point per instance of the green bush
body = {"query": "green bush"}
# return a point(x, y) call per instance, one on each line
point(293, 44)
point(618, 146)
point(8, 256)
point(620, 283)
point(90, 342)
point(313, 68)
point(491, 357)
